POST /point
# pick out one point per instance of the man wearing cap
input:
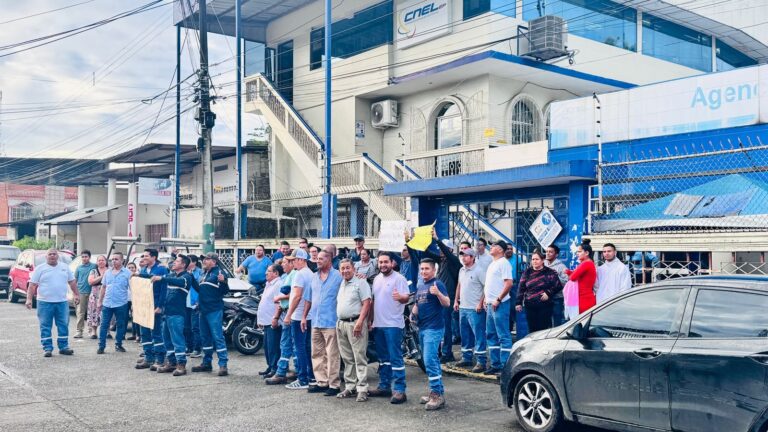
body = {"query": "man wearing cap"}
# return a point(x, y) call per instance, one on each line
point(279, 376)
point(354, 254)
point(320, 309)
point(300, 329)
point(211, 293)
point(498, 283)
point(470, 304)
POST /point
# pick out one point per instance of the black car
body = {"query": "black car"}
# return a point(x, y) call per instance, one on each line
point(687, 354)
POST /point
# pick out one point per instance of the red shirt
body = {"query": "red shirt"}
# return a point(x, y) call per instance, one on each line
point(585, 275)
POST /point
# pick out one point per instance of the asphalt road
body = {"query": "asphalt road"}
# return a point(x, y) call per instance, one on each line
point(90, 392)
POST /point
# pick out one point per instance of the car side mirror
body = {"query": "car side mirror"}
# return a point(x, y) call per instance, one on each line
point(577, 332)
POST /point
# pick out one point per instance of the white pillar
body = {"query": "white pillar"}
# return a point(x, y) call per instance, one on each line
point(111, 192)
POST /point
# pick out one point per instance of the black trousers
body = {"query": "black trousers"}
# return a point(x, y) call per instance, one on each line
point(539, 317)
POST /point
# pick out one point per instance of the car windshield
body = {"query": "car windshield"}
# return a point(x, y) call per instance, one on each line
point(64, 258)
point(8, 254)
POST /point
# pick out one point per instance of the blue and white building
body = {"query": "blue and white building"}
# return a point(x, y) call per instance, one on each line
point(447, 111)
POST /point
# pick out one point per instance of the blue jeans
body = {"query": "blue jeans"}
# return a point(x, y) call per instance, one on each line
point(286, 352)
point(121, 317)
point(389, 342)
point(173, 337)
point(497, 332)
point(558, 312)
point(430, 344)
point(212, 333)
point(302, 346)
point(47, 313)
point(152, 341)
point(473, 340)
point(192, 330)
point(447, 349)
point(272, 338)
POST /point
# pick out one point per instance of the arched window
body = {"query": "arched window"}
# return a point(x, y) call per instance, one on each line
point(547, 119)
point(448, 127)
point(526, 123)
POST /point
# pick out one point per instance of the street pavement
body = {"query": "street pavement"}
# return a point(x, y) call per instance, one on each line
point(90, 392)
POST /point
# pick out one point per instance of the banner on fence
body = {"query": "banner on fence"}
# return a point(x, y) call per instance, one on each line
point(143, 302)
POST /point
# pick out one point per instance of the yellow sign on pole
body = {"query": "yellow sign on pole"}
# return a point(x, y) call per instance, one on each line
point(143, 302)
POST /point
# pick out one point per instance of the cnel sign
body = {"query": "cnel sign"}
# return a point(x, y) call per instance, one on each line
point(420, 21)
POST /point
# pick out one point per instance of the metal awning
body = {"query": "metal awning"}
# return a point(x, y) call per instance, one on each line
point(256, 14)
point(76, 217)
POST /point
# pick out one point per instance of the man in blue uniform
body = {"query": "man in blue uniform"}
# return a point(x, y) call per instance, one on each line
point(152, 338)
point(212, 290)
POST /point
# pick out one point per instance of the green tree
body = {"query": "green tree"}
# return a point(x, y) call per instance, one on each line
point(30, 243)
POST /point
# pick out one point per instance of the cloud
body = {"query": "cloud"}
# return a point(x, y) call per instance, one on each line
point(89, 86)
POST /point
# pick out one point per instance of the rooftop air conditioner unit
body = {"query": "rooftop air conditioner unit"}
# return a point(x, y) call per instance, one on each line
point(384, 114)
point(548, 38)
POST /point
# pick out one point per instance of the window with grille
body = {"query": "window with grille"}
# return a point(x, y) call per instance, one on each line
point(21, 212)
point(525, 126)
point(155, 232)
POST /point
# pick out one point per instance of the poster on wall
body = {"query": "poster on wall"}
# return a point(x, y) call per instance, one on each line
point(545, 228)
point(419, 21)
point(155, 191)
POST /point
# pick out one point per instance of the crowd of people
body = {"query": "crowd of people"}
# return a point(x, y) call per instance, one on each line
point(320, 307)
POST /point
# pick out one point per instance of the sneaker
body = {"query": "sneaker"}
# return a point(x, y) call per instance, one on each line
point(100, 351)
point(463, 364)
point(48, 354)
point(143, 365)
point(265, 372)
point(479, 368)
point(275, 380)
point(79, 335)
point(223, 371)
point(66, 351)
point(316, 389)
point(296, 385)
point(180, 370)
point(436, 402)
point(491, 371)
point(131, 338)
point(378, 392)
point(202, 368)
point(196, 354)
point(362, 397)
point(119, 348)
point(398, 398)
point(93, 336)
point(332, 391)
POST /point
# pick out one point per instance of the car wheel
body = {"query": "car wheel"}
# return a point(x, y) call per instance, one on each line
point(12, 296)
point(537, 405)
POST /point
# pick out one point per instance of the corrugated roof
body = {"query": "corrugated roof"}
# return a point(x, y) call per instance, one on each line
point(75, 217)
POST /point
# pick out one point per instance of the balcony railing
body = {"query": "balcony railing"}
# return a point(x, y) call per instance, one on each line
point(444, 163)
point(259, 88)
point(361, 173)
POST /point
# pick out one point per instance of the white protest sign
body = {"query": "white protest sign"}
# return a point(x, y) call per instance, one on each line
point(391, 235)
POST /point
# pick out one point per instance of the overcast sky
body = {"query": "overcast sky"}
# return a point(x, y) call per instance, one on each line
point(52, 107)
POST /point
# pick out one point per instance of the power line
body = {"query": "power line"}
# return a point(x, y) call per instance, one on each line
point(46, 12)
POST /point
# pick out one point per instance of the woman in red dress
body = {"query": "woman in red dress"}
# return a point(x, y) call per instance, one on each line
point(585, 275)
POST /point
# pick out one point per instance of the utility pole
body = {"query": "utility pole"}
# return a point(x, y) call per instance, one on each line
point(2, 146)
point(207, 119)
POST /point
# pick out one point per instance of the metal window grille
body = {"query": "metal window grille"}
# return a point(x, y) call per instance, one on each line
point(526, 122)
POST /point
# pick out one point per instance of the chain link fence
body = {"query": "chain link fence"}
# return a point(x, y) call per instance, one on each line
point(695, 188)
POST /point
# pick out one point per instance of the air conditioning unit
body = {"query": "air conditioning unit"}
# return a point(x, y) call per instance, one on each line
point(384, 114)
point(547, 38)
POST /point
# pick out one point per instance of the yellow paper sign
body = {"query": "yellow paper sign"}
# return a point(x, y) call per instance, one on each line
point(489, 132)
point(143, 302)
point(422, 238)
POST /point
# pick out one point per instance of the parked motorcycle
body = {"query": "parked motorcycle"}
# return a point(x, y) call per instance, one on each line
point(240, 322)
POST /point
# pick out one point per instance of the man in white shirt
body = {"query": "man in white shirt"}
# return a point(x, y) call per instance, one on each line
point(49, 282)
point(613, 276)
point(483, 259)
point(498, 283)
